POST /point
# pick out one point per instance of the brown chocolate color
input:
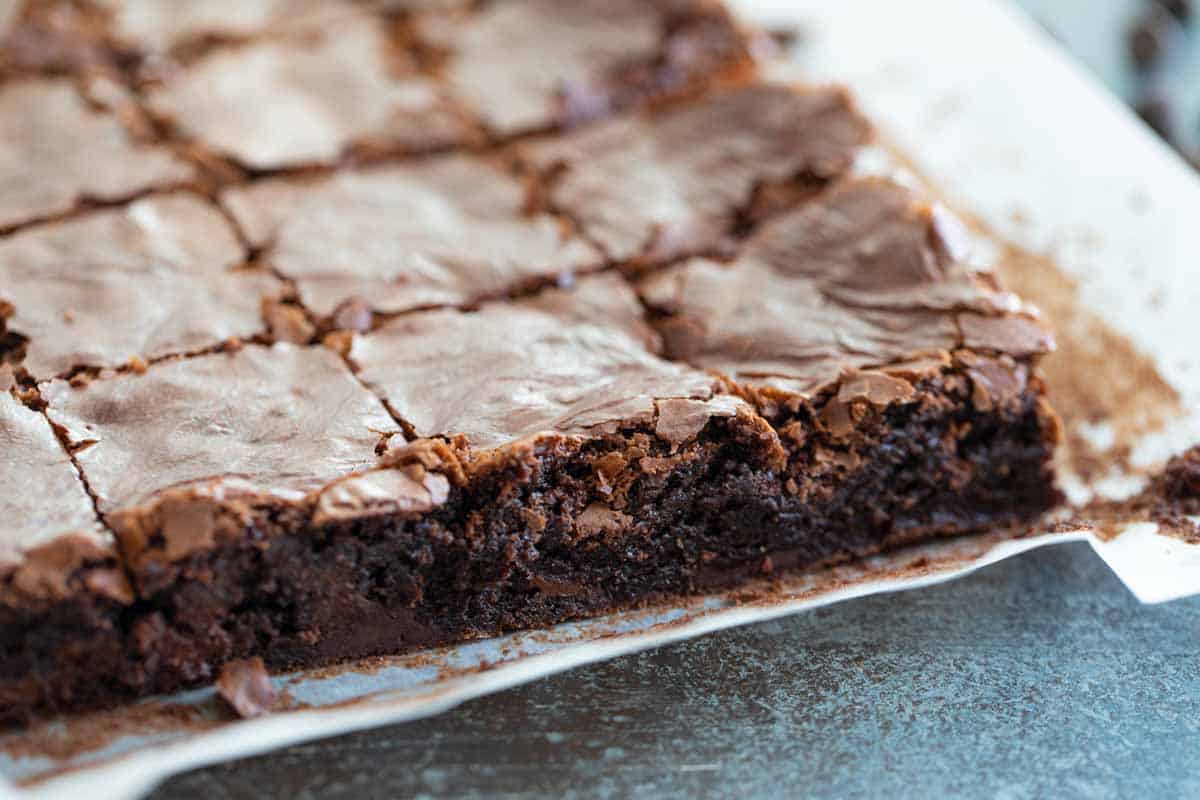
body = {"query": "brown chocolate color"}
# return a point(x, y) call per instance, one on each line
point(282, 419)
point(557, 465)
point(246, 687)
point(566, 63)
point(150, 279)
point(862, 276)
point(81, 154)
point(512, 371)
point(449, 231)
point(362, 408)
point(335, 89)
point(35, 533)
point(650, 188)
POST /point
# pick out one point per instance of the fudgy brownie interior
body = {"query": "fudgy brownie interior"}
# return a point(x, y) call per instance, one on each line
point(343, 328)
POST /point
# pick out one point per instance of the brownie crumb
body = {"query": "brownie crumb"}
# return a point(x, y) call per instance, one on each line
point(1171, 499)
point(245, 685)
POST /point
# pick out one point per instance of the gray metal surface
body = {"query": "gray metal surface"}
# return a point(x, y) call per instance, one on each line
point(1037, 677)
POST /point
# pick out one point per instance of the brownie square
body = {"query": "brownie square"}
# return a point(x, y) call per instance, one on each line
point(35, 467)
point(562, 361)
point(62, 589)
point(283, 420)
point(59, 153)
point(103, 289)
point(654, 187)
point(449, 231)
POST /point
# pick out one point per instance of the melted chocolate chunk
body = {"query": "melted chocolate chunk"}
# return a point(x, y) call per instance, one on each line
point(245, 685)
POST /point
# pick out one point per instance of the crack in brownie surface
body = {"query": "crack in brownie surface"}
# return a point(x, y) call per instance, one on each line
point(62, 589)
point(456, 230)
point(335, 89)
point(76, 154)
point(864, 275)
point(150, 279)
point(659, 186)
point(561, 468)
point(282, 420)
point(568, 62)
point(449, 231)
point(561, 362)
point(36, 533)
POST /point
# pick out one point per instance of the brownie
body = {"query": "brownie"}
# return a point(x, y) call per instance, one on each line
point(568, 62)
point(81, 154)
point(453, 230)
point(62, 590)
point(861, 276)
point(271, 85)
point(37, 532)
point(560, 361)
point(474, 471)
point(355, 397)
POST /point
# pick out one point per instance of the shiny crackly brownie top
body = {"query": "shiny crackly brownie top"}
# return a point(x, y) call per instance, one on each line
point(863, 276)
point(847, 290)
point(230, 264)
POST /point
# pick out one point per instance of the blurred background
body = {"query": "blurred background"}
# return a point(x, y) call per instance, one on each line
point(1147, 51)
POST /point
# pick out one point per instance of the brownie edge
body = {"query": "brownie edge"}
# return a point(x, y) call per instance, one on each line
point(445, 544)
